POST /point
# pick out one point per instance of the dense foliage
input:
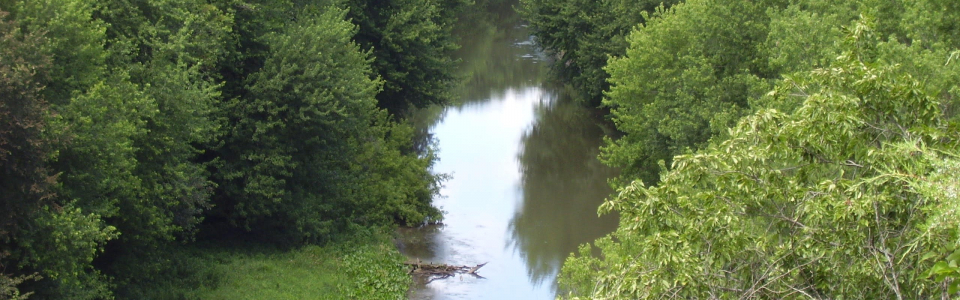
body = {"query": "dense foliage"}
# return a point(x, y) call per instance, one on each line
point(583, 34)
point(410, 40)
point(362, 265)
point(687, 76)
point(23, 150)
point(129, 127)
point(805, 149)
point(688, 73)
point(308, 151)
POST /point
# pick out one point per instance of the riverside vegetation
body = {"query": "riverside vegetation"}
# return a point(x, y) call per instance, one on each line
point(771, 149)
point(214, 148)
point(256, 149)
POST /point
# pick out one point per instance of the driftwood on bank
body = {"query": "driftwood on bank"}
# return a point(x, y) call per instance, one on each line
point(441, 271)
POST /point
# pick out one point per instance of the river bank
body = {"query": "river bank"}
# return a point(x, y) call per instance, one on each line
point(364, 266)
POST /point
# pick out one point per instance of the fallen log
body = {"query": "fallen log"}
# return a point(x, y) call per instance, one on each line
point(441, 271)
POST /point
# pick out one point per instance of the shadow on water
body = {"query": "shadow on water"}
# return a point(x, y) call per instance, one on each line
point(563, 185)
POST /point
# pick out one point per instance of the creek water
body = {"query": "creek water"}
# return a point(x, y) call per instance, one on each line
point(525, 182)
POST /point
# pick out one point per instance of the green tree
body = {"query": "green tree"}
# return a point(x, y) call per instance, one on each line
point(26, 184)
point(133, 96)
point(849, 195)
point(805, 35)
point(38, 233)
point(932, 39)
point(309, 152)
point(930, 22)
point(411, 42)
point(584, 34)
point(23, 114)
point(141, 93)
point(180, 45)
point(687, 76)
point(8, 286)
point(61, 245)
point(96, 156)
point(75, 43)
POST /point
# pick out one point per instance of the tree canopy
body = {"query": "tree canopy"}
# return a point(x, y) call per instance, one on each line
point(805, 149)
point(847, 195)
point(128, 127)
point(411, 41)
point(583, 34)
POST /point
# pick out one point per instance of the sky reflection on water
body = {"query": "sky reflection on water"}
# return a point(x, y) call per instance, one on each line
point(525, 180)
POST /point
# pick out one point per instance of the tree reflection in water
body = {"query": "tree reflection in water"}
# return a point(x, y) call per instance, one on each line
point(562, 181)
point(563, 185)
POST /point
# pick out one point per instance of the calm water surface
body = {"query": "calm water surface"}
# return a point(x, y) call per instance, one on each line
point(525, 182)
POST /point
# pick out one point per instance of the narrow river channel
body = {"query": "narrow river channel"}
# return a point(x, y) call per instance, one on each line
point(525, 180)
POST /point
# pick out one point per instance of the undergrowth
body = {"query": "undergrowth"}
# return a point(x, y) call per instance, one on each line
point(362, 266)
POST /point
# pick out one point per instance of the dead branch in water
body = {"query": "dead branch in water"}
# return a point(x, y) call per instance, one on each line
point(441, 271)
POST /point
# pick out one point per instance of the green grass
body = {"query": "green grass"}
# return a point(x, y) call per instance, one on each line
point(368, 268)
point(371, 270)
point(307, 273)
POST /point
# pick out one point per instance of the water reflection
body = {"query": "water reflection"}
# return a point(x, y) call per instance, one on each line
point(525, 183)
point(563, 184)
point(478, 147)
point(497, 53)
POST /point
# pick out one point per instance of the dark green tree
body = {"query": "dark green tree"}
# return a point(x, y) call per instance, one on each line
point(309, 151)
point(147, 97)
point(133, 95)
point(583, 34)
point(75, 43)
point(24, 150)
point(411, 42)
point(26, 183)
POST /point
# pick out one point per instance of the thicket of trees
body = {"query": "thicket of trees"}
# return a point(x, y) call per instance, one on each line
point(129, 126)
point(806, 148)
point(410, 40)
point(583, 34)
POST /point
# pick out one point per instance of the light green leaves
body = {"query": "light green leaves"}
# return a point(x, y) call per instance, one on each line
point(63, 245)
point(836, 198)
point(686, 76)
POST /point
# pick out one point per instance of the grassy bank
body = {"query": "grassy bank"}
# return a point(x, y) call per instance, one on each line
point(359, 268)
